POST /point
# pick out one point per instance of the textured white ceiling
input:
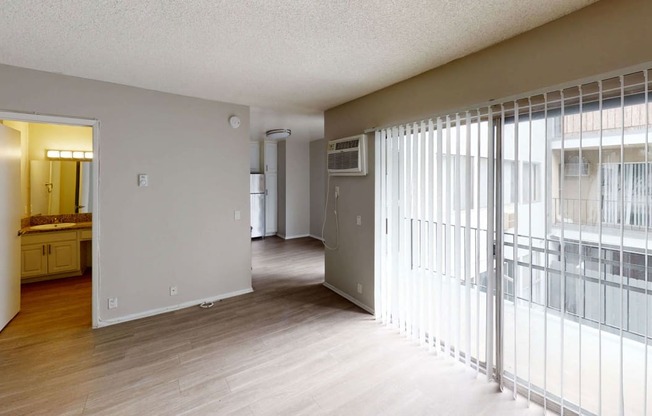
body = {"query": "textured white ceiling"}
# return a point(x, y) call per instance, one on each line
point(305, 126)
point(281, 54)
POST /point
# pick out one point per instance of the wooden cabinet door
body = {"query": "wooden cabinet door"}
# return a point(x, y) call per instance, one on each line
point(63, 256)
point(34, 260)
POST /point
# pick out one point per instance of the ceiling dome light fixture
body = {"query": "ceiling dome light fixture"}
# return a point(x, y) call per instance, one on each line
point(278, 134)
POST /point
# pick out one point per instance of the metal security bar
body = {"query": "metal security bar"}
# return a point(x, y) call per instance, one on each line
point(514, 238)
point(579, 270)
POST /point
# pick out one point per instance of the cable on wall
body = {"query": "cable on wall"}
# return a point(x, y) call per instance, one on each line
point(337, 222)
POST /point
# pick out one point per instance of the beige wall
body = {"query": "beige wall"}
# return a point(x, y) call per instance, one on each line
point(181, 229)
point(297, 195)
point(317, 186)
point(604, 37)
point(293, 188)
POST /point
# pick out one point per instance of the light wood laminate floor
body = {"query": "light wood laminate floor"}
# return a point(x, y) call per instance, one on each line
point(290, 348)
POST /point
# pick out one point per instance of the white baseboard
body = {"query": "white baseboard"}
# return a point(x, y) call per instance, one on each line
point(349, 298)
point(292, 237)
point(152, 312)
point(297, 236)
point(316, 237)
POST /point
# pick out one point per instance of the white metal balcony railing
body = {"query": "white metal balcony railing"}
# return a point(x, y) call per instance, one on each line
point(592, 292)
point(539, 313)
point(637, 213)
point(593, 275)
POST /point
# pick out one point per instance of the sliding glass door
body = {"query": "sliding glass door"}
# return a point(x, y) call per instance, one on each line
point(515, 238)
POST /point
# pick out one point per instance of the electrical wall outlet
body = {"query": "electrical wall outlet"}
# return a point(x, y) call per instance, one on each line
point(236, 215)
point(358, 220)
point(360, 288)
point(173, 291)
point(113, 303)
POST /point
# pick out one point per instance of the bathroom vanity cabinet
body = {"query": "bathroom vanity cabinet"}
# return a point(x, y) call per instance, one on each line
point(51, 254)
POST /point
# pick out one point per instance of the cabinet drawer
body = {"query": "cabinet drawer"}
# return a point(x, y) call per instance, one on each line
point(49, 237)
point(85, 235)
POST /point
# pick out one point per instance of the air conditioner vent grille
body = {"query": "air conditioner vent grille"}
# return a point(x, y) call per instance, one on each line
point(350, 144)
point(344, 160)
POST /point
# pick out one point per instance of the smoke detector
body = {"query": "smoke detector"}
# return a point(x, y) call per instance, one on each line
point(278, 134)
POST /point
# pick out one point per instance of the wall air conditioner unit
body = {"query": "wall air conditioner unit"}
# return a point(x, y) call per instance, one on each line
point(348, 156)
point(576, 167)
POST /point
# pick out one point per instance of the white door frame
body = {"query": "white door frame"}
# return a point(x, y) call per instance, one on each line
point(95, 124)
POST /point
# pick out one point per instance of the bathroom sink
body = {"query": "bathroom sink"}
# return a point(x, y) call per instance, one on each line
point(52, 226)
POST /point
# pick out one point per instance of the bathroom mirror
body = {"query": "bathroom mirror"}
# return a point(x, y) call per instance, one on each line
point(60, 187)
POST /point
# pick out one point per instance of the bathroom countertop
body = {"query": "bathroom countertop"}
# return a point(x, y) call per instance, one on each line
point(77, 226)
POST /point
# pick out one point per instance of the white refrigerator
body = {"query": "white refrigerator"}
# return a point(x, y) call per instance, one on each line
point(257, 198)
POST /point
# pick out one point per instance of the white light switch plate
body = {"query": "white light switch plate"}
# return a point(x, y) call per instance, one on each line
point(236, 215)
point(358, 220)
point(143, 179)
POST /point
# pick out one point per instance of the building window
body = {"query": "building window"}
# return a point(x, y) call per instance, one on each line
point(626, 199)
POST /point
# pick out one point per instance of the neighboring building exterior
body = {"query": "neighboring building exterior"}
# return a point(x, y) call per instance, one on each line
point(592, 196)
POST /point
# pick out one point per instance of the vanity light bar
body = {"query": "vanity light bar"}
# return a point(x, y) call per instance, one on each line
point(68, 154)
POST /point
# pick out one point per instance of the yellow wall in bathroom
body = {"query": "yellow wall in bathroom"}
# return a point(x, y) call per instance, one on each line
point(51, 136)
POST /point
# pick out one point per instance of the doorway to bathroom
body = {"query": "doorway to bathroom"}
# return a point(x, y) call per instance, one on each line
point(59, 212)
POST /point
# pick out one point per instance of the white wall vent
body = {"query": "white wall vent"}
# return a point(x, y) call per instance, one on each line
point(348, 156)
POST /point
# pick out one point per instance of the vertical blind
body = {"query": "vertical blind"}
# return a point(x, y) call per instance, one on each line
point(514, 238)
point(436, 265)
